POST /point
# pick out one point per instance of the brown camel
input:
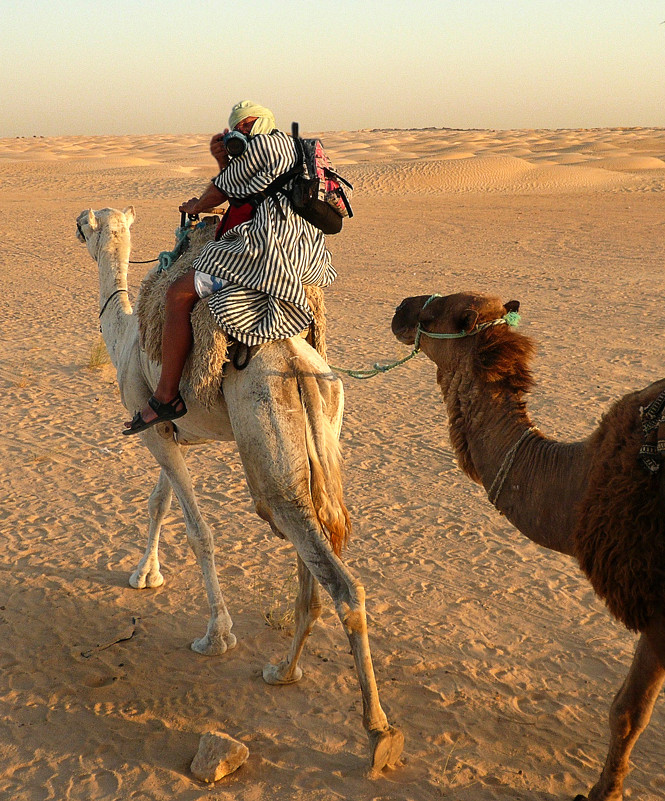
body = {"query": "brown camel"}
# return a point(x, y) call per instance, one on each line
point(592, 499)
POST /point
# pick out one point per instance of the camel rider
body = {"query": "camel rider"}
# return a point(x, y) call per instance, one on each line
point(256, 268)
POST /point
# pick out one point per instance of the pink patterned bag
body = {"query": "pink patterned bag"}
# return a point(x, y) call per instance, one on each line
point(319, 194)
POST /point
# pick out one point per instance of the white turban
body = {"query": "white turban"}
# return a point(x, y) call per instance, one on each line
point(265, 120)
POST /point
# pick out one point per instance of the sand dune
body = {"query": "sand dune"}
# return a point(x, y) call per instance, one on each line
point(493, 656)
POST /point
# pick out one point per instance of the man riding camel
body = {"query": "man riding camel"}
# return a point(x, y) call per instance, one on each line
point(256, 266)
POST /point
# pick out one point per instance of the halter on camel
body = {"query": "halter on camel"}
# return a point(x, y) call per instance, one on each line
point(511, 318)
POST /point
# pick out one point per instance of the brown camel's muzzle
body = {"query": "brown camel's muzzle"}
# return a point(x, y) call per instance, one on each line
point(405, 320)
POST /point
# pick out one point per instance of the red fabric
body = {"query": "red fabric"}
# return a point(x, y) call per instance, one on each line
point(234, 216)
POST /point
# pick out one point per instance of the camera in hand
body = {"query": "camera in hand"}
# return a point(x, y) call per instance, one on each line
point(235, 143)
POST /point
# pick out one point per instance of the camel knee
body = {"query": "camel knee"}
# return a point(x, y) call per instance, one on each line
point(351, 608)
point(159, 501)
point(313, 610)
point(199, 538)
point(628, 720)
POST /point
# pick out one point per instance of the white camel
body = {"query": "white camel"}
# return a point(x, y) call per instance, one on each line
point(284, 411)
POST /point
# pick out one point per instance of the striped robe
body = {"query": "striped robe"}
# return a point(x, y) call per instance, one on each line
point(267, 259)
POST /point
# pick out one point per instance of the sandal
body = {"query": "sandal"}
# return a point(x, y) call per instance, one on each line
point(172, 410)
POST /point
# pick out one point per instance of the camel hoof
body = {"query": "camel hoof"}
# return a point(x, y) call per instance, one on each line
point(146, 581)
point(386, 748)
point(281, 673)
point(214, 646)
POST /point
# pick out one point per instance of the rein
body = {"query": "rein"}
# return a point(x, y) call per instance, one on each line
point(511, 318)
point(108, 300)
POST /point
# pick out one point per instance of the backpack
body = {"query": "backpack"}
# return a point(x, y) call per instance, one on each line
point(317, 193)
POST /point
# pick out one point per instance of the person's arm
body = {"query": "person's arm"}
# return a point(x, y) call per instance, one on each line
point(218, 150)
point(210, 198)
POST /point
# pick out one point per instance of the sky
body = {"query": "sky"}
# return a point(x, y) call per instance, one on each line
point(118, 67)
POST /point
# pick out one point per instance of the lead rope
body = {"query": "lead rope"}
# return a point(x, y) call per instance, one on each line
point(384, 368)
point(375, 369)
point(167, 257)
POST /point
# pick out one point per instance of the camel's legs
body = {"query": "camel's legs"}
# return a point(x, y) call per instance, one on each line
point(308, 610)
point(270, 424)
point(272, 443)
point(148, 574)
point(348, 595)
point(169, 456)
point(629, 716)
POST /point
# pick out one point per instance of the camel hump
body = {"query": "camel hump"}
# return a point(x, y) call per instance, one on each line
point(619, 539)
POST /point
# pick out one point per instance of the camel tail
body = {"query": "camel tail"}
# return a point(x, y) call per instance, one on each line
point(325, 466)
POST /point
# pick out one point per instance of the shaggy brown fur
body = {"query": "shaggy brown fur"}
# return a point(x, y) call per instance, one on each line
point(326, 475)
point(501, 361)
point(620, 536)
point(205, 365)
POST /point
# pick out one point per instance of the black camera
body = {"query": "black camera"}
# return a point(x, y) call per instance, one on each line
point(235, 143)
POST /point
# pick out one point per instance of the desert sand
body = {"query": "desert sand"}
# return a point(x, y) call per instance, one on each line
point(492, 655)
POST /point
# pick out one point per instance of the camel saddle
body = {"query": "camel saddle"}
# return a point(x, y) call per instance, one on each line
point(652, 453)
point(204, 368)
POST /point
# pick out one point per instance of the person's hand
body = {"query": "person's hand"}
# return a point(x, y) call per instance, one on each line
point(189, 206)
point(218, 149)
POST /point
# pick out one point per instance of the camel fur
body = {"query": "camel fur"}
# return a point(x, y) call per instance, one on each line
point(284, 411)
point(591, 499)
point(205, 366)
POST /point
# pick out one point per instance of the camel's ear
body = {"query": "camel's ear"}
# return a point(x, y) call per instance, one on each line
point(512, 306)
point(130, 214)
point(468, 320)
point(92, 220)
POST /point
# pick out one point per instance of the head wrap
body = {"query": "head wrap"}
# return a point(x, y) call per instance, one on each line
point(265, 121)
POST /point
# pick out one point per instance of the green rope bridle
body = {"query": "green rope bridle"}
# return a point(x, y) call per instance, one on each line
point(510, 318)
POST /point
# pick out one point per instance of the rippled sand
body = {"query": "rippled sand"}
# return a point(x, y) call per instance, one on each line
point(492, 655)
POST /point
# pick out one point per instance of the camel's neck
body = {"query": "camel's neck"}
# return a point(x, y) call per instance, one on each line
point(114, 305)
point(535, 482)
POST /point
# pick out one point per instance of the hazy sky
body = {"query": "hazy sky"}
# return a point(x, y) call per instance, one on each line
point(160, 66)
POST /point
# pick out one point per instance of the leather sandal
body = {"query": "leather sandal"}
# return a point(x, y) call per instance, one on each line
point(172, 410)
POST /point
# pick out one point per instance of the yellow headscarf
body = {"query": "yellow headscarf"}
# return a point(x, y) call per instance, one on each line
point(265, 122)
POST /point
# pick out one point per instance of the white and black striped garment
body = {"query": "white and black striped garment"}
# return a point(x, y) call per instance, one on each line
point(266, 260)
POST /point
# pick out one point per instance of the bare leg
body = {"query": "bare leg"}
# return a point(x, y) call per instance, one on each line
point(308, 610)
point(629, 716)
point(176, 341)
point(147, 573)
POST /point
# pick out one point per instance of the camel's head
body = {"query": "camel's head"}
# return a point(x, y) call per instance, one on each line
point(97, 228)
point(464, 327)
